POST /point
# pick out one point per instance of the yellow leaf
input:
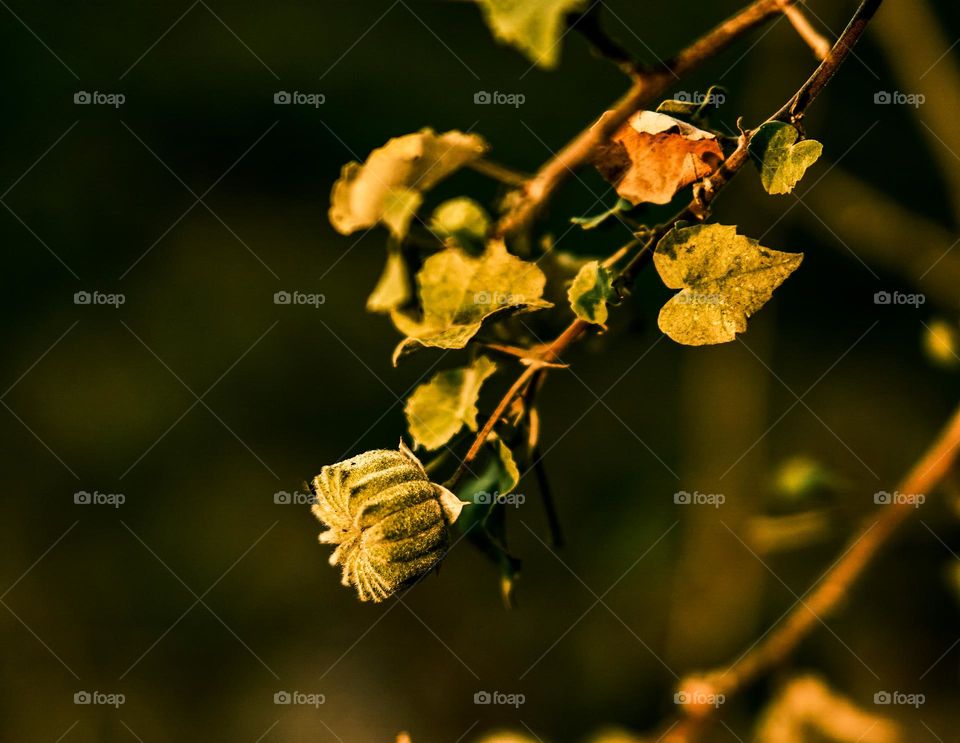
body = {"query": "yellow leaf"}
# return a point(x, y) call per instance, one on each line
point(458, 292)
point(724, 278)
point(388, 187)
point(438, 409)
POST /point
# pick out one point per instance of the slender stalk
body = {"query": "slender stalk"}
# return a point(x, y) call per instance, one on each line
point(801, 24)
point(499, 172)
point(932, 467)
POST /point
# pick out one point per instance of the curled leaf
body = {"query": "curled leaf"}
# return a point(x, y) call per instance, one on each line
point(724, 278)
point(388, 187)
point(458, 292)
point(393, 289)
point(653, 156)
point(535, 27)
point(388, 520)
point(590, 292)
point(782, 160)
point(511, 473)
point(438, 409)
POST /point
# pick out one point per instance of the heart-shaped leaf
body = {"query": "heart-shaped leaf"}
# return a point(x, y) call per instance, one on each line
point(781, 159)
point(724, 278)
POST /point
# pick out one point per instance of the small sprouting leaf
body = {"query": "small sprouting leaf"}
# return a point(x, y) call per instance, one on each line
point(463, 220)
point(653, 156)
point(535, 27)
point(782, 160)
point(438, 409)
point(590, 292)
point(388, 520)
point(458, 292)
point(511, 473)
point(388, 187)
point(724, 278)
point(590, 223)
point(393, 289)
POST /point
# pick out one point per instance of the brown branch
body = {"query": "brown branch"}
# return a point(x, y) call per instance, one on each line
point(649, 85)
point(704, 194)
point(795, 108)
point(923, 477)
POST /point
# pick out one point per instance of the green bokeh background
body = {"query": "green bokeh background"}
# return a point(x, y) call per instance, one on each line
point(112, 405)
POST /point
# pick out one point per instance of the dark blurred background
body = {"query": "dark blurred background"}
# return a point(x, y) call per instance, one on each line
point(200, 598)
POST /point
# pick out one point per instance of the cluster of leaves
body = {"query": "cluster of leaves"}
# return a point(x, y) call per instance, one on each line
point(452, 280)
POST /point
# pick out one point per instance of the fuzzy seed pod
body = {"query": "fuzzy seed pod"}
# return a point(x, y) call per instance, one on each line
point(388, 520)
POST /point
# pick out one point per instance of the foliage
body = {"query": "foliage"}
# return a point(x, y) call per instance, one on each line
point(724, 278)
point(535, 27)
point(438, 409)
point(781, 159)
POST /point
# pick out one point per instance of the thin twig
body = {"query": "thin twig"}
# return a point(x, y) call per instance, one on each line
point(801, 24)
point(499, 172)
point(924, 476)
point(650, 85)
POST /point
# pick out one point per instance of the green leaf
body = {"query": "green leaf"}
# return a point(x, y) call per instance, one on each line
point(511, 473)
point(782, 160)
point(535, 27)
point(438, 409)
point(463, 220)
point(459, 291)
point(724, 277)
point(590, 292)
point(393, 290)
point(590, 223)
point(388, 187)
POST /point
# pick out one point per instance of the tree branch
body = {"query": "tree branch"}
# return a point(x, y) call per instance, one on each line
point(649, 85)
point(923, 477)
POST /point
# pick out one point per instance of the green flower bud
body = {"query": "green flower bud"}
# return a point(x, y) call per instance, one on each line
point(388, 520)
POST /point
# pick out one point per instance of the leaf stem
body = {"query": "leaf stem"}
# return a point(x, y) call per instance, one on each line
point(498, 172)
